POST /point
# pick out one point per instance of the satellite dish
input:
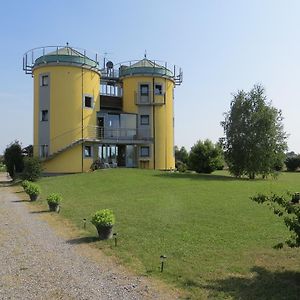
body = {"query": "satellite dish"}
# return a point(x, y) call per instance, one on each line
point(109, 65)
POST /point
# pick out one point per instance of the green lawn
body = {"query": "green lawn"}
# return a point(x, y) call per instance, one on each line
point(218, 242)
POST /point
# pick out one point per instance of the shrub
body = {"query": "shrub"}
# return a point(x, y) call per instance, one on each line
point(180, 166)
point(103, 217)
point(2, 167)
point(292, 163)
point(25, 184)
point(32, 169)
point(288, 209)
point(205, 157)
point(54, 199)
point(33, 189)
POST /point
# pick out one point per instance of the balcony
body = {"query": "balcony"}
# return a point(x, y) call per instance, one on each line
point(128, 136)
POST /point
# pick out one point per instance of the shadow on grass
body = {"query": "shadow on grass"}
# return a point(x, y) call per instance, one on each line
point(40, 212)
point(263, 285)
point(83, 240)
point(195, 176)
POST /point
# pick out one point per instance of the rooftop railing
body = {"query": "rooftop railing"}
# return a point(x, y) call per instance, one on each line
point(56, 54)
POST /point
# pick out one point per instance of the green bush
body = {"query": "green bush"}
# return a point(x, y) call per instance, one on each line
point(33, 189)
point(292, 163)
point(282, 206)
point(180, 166)
point(103, 217)
point(54, 199)
point(25, 184)
point(32, 168)
point(2, 167)
point(206, 157)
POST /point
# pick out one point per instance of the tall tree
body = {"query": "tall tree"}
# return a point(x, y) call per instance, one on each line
point(255, 140)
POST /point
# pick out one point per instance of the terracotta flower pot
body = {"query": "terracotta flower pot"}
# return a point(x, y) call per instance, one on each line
point(105, 232)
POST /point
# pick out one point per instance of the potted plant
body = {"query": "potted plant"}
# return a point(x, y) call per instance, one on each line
point(54, 200)
point(24, 184)
point(104, 220)
point(33, 190)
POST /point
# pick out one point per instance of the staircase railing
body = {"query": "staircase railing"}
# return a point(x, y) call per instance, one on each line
point(93, 133)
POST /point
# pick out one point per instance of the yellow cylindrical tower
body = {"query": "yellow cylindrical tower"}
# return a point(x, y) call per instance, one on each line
point(66, 99)
point(148, 89)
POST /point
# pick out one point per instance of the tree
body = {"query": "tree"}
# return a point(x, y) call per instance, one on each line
point(181, 155)
point(205, 157)
point(254, 137)
point(289, 210)
point(13, 159)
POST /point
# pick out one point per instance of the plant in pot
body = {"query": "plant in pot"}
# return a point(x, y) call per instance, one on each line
point(33, 190)
point(54, 200)
point(24, 184)
point(104, 220)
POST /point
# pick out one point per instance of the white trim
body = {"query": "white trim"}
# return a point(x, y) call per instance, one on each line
point(92, 151)
point(92, 101)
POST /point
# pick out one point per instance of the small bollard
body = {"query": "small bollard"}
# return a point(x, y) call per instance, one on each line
point(84, 223)
point(115, 237)
point(162, 260)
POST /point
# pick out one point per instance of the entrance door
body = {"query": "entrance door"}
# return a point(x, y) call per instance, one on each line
point(131, 156)
point(122, 155)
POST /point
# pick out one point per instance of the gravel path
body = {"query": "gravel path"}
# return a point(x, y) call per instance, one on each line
point(37, 264)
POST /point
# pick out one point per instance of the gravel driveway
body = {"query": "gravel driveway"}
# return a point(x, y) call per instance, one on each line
point(35, 263)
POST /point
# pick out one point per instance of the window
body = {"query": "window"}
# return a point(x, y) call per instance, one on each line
point(158, 89)
point(144, 88)
point(144, 119)
point(44, 80)
point(145, 151)
point(87, 151)
point(43, 150)
point(44, 115)
point(88, 101)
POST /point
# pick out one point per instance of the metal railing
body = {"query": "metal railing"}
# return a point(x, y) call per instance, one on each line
point(95, 134)
point(46, 54)
point(117, 134)
point(147, 66)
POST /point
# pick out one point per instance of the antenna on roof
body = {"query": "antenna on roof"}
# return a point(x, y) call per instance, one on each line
point(67, 44)
point(145, 54)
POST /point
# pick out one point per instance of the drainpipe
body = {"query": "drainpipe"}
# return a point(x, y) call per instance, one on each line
point(153, 121)
point(82, 146)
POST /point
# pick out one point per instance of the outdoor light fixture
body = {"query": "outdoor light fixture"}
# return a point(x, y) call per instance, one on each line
point(84, 223)
point(162, 261)
point(115, 237)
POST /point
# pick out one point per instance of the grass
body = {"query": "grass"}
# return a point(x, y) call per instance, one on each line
point(218, 243)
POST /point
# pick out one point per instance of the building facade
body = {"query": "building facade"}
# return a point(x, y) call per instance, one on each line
point(119, 115)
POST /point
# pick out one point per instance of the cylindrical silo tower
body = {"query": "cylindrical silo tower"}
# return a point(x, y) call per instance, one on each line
point(66, 99)
point(148, 91)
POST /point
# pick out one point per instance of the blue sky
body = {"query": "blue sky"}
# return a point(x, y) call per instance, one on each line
point(222, 46)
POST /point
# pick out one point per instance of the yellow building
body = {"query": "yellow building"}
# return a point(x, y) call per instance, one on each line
point(113, 116)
